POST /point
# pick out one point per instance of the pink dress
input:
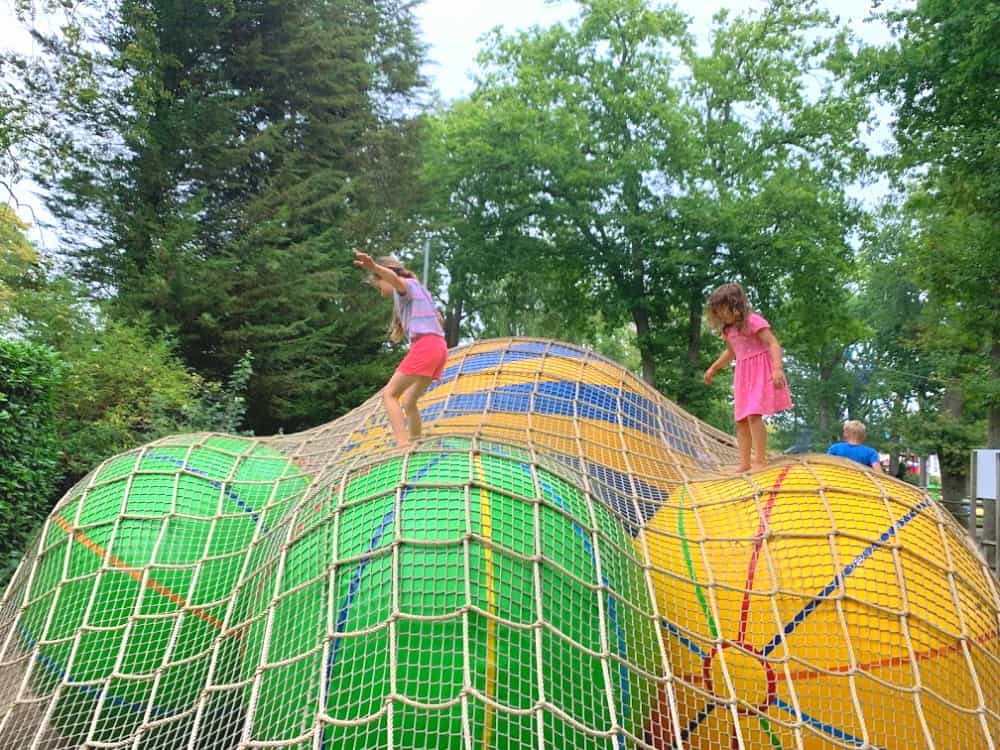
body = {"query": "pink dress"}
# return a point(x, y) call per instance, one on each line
point(753, 391)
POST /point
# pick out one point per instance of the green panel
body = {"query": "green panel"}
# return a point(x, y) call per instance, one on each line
point(122, 552)
point(447, 570)
point(472, 591)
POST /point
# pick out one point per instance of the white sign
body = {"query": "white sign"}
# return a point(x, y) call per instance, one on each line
point(986, 473)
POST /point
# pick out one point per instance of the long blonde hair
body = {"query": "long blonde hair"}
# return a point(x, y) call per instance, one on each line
point(396, 332)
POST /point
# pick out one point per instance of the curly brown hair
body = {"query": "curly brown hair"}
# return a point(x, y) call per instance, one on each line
point(728, 297)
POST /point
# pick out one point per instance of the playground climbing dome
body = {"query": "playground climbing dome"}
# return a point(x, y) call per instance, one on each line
point(558, 565)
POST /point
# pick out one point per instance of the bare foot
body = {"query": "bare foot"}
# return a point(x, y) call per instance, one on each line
point(758, 466)
point(734, 468)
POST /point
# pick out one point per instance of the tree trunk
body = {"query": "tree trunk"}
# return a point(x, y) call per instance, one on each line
point(452, 324)
point(824, 419)
point(894, 449)
point(640, 315)
point(453, 319)
point(825, 405)
point(695, 309)
point(953, 479)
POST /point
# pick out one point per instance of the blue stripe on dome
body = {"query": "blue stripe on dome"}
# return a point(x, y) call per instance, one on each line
point(486, 360)
point(569, 399)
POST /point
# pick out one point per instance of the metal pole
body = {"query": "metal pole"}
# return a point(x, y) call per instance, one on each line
point(973, 497)
point(996, 513)
point(427, 259)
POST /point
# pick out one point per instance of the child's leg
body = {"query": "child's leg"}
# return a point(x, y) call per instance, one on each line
point(758, 434)
point(409, 402)
point(743, 439)
point(391, 395)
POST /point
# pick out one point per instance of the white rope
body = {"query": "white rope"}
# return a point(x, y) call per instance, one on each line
point(547, 628)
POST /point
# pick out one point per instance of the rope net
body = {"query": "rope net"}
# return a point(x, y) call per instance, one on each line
point(557, 565)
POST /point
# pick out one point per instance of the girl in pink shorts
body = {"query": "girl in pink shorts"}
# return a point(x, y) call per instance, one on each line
point(414, 317)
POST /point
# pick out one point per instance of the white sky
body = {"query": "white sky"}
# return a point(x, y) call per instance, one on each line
point(452, 29)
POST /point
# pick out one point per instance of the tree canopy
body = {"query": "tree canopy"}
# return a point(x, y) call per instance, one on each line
point(212, 164)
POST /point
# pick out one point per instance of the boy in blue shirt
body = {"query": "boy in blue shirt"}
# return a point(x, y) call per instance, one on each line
point(854, 448)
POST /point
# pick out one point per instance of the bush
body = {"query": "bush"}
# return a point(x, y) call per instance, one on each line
point(123, 387)
point(127, 387)
point(29, 449)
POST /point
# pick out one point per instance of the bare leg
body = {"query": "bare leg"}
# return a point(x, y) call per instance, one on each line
point(758, 434)
point(391, 395)
point(409, 402)
point(743, 439)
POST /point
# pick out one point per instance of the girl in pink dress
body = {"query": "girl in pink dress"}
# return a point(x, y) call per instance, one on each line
point(759, 385)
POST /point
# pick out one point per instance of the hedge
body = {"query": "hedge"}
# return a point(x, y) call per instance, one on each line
point(29, 450)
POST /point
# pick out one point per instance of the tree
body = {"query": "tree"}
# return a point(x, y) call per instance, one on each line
point(893, 368)
point(226, 157)
point(119, 384)
point(19, 262)
point(544, 166)
point(941, 78)
point(776, 139)
point(29, 448)
point(614, 154)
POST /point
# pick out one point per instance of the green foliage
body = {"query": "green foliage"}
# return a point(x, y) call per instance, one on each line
point(19, 262)
point(29, 446)
point(224, 158)
point(220, 407)
point(543, 166)
point(893, 371)
point(619, 174)
point(121, 384)
point(126, 388)
point(940, 76)
point(951, 438)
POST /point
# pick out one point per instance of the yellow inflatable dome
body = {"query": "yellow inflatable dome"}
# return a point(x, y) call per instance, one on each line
point(818, 605)
point(558, 565)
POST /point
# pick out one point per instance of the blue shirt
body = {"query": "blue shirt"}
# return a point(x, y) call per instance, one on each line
point(860, 453)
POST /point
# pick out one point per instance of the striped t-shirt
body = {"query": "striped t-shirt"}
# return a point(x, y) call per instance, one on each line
point(417, 311)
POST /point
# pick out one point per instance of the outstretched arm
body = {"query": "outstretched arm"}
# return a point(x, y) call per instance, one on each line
point(365, 261)
point(724, 359)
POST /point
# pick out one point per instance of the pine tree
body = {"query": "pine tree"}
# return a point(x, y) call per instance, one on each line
point(227, 157)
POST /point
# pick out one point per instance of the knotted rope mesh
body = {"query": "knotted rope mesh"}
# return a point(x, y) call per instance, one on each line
point(558, 564)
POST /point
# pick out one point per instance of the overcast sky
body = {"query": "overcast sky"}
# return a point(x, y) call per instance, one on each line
point(452, 28)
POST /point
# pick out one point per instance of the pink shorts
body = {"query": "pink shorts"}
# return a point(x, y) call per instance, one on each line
point(426, 357)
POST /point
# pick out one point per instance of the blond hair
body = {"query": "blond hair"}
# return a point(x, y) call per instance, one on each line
point(855, 428)
point(396, 331)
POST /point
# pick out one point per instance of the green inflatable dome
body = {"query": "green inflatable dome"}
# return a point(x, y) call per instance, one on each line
point(133, 581)
point(451, 582)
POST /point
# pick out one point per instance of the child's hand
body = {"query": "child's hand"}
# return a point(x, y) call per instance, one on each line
point(364, 260)
point(778, 378)
point(709, 374)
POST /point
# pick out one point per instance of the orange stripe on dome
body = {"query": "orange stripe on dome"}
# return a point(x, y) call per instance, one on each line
point(891, 661)
point(128, 570)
